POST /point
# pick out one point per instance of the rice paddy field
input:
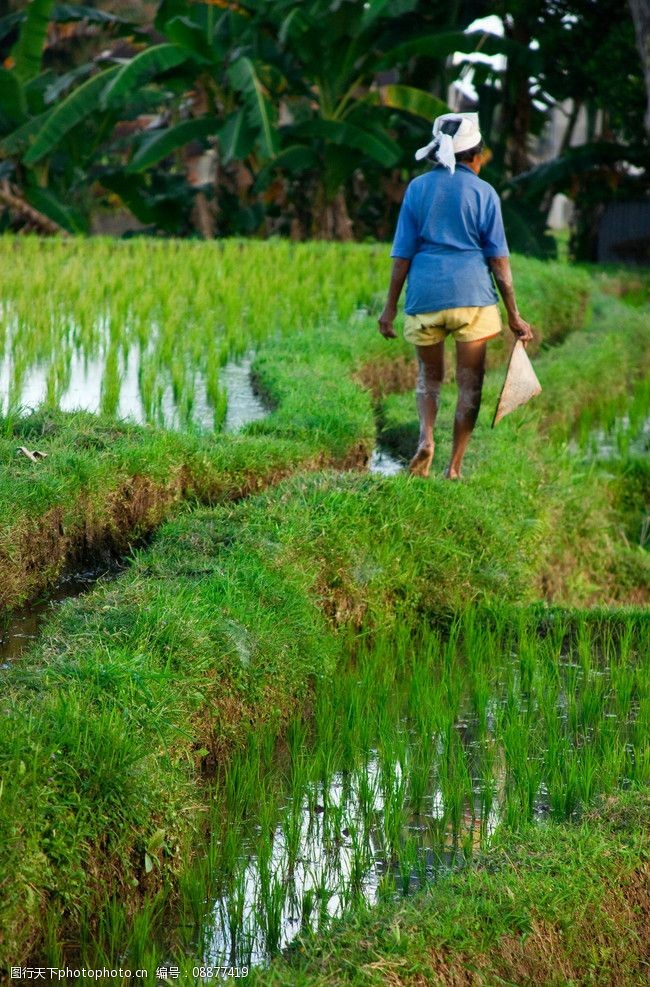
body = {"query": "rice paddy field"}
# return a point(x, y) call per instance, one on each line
point(271, 707)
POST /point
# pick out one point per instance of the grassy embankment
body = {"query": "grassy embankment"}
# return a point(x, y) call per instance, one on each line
point(592, 511)
point(231, 608)
point(104, 485)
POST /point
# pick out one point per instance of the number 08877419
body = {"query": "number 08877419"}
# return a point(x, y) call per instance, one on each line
point(210, 972)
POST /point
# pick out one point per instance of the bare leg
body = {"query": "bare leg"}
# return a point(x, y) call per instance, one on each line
point(431, 370)
point(470, 370)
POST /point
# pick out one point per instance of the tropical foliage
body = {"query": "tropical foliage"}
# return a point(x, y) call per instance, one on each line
point(294, 118)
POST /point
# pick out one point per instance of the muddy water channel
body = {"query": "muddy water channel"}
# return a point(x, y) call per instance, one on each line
point(415, 755)
point(19, 628)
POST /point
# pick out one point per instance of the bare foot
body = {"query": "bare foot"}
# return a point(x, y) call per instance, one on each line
point(451, 473)
point(421, 462)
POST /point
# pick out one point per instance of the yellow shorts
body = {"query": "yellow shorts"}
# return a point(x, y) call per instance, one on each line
point(464, 324)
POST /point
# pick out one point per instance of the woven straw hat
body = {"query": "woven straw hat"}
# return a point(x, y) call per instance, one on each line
point(521, 383)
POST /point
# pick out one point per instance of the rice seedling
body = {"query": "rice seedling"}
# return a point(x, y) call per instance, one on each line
point(208, 320)
point(212, 314)
point(412, 694)
point(484, 777)
point(270, 910)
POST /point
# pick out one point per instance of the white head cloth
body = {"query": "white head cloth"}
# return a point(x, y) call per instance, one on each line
point(444, 147)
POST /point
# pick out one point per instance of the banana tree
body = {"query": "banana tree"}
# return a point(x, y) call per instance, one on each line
point(204, 92)
point(302, 99)
point(282, 89)
point(33, 117)
point(351, 113)
point(592, 175)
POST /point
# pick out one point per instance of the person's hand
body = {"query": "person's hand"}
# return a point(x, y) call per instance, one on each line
point(521, 328)
point(386, 320)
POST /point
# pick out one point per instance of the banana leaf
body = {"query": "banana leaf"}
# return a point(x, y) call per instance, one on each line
point(144, 65)
point(376, 145)
point(10, 22)
point(560, 172)
point(292, 159)
point(188, 35)
point(167, 10)
point(28, 50)
point(163, 143)
point(74, 108)
point(61, 83)
point(51, 206)
point(16, 142)
point(65, 13)
point(447, 42)
point(411, 100)
point(260, 111)
point(12, 97)
point(236, 137)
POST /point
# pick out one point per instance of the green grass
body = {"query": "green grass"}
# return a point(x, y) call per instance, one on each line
point(531, 470)
point(114, 723)
point(106, 303)
point(105, 485)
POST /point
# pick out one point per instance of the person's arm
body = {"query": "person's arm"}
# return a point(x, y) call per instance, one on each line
point(397, 278)
point(501, 270)
point(403, 249)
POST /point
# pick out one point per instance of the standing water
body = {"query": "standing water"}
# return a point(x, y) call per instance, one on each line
point(384, 463)
point(419, 749)
point(21, 627)
point(244, 405)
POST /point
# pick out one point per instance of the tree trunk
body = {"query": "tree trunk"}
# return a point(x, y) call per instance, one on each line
point(331, 218)
point(641, 17)
point(342, 221)
point(203, 219)
point(517, 104)
point(32, 219)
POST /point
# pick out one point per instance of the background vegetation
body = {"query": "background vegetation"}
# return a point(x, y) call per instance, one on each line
point(301, 119)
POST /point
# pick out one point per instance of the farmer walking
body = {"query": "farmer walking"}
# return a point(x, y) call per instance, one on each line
point(449, 238)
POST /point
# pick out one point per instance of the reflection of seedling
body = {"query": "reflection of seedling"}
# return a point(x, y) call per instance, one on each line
point(236, 906)
point(268, 911)
point(516, 720)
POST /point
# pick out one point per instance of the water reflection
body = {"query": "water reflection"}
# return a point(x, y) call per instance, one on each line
point(384, 463)
point(349, 842)
point(20, 627)
point(128, 384)
point(623, 438)
point(244, 405)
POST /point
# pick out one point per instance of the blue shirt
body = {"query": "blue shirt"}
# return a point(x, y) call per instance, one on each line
point(448, 226)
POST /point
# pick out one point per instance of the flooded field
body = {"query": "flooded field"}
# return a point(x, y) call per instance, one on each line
point(118, 386)
point(424, 747)
point(124, 347)
point(273, 718)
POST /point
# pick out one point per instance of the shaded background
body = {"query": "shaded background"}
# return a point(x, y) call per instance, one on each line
point(300, 119)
